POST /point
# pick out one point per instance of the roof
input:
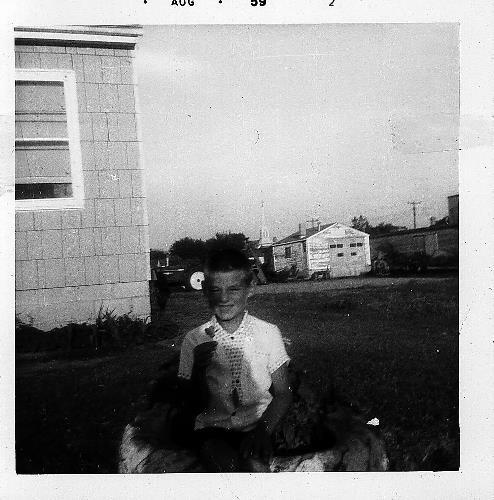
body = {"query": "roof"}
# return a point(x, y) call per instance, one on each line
point(117, 36)
point(293, 238)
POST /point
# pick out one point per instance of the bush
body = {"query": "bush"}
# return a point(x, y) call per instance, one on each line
point(109, 333)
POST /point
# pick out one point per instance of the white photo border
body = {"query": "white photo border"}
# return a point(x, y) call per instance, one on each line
point(474, 480)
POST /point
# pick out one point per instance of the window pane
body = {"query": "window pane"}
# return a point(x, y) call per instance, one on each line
point(40, 109)
point(39, 191)
point(42, 161)
point(39, 97)
point(21, 165)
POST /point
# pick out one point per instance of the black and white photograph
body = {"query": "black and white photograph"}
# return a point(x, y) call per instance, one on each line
point(239, 248)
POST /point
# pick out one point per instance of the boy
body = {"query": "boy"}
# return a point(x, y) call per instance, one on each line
point(235, 374)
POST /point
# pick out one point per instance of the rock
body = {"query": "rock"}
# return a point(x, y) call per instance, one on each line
point(138, 457)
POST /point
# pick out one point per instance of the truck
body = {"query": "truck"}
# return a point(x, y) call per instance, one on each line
point(188, 276)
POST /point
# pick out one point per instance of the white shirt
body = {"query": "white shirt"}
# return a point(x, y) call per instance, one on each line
point(239, 375)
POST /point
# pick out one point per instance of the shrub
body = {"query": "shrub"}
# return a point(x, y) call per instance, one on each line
point(110, 332)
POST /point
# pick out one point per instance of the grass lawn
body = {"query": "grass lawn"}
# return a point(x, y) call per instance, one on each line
point(393, 350)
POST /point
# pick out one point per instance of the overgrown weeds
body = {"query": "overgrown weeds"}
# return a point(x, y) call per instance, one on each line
point(110, 332)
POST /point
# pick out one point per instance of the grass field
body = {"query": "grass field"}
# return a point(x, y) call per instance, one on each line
point(389, 346)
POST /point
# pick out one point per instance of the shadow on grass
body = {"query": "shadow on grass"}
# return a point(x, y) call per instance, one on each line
point(393, 352)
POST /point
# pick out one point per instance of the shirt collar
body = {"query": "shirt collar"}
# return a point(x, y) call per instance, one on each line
point(242, 328)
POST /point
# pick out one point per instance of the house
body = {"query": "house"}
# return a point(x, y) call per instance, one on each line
point(438, 241)
point(335, 249)
point(430, 241)
point(82, 241)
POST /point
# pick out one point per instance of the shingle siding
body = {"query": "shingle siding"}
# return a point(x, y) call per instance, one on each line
point(70, 263)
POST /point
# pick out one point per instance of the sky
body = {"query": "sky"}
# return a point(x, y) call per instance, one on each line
point(316, 121)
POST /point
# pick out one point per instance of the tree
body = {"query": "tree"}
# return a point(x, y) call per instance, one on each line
point(361, 224)
point(189, 249)
point(384, 228)
point(226, 240)
point(156, 255)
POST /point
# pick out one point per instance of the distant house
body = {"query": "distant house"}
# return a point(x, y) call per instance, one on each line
point(81, 224)
point(336, 249)
point(440, 239)
point(430, 241)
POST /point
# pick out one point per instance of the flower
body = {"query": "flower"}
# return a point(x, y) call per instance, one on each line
point(210, 331)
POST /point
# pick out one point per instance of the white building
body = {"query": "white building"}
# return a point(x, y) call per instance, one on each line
point(81, 224)
point(335, 249)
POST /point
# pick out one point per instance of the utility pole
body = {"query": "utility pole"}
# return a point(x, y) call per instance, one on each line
point(414, 204)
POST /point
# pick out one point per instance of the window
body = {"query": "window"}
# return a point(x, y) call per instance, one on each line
point(353, 245)
point(340, 255)
point(339, 245)
point(354, 253)
point(288, 252)
point(332, 246)
point(48, 170)
point(359, 244)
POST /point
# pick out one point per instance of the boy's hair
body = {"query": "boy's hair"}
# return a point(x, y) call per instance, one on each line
point(228, 259)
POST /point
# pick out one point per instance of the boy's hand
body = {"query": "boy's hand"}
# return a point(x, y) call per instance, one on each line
point(257, 444)
point(203, 353)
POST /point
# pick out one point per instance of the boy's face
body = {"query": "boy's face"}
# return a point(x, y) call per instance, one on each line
point(227, 293)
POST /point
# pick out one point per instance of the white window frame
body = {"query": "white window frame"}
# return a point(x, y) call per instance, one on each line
point(67, 77)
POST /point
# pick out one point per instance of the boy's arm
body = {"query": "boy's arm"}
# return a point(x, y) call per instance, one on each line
point(258, 442)
point(282, 399)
